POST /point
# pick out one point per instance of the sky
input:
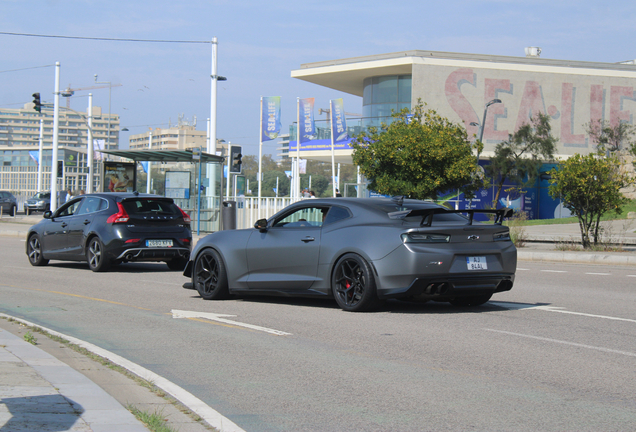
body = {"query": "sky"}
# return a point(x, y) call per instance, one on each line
point(261, 42)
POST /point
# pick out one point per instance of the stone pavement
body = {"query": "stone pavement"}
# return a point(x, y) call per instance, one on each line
point(40, 391)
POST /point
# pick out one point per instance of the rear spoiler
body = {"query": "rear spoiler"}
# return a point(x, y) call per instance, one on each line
point(427, 214)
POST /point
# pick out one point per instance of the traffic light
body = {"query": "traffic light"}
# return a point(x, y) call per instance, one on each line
point(60, 169)
point(235, 159)
point(36, 102)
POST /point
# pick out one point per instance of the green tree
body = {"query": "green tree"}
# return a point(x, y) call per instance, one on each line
point(610, 138)
point(519, 158)
point(419, 156)
point(269, 183)
point(589, 186)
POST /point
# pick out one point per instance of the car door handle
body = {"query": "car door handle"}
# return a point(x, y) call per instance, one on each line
point(308, 239)
point(87, 221)
point(64, 225)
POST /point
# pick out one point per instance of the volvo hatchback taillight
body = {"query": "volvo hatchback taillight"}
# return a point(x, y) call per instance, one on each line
point(186, 217)
point(120, 217)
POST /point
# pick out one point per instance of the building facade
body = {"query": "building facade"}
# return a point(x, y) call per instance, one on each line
point(21, 127)
point(19, 148)
point(458, 86)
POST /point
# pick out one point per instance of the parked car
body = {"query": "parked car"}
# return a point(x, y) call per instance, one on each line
point(41, 202)
point(9, 203)
point(112, 228)
point(360, 251)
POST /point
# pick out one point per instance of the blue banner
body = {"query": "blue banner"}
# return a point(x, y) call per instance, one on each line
point(270, 123)
point(307, 128)
point(35, 156)
point(338, 121)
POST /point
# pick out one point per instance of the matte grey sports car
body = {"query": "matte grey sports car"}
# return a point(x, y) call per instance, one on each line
point(360, 251)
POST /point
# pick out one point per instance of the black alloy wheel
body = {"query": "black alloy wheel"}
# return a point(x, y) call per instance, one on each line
point(353, 284)
point(210, 277)
point(96, 257)
point(34, 251)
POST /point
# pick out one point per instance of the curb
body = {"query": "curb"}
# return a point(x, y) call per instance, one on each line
point(579, 257)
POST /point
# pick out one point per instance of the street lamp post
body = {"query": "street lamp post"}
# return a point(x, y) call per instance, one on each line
point(483, 122)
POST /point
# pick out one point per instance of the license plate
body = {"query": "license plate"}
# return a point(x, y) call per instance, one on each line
point(476, 263)
point(159, 243)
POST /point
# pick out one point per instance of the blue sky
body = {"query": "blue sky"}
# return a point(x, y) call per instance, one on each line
point(261, 42)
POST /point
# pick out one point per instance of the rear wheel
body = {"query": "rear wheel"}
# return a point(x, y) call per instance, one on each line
point(96, 257)
point(353, 284)
point(477, 300)
point(34, 251)
point(210, 277)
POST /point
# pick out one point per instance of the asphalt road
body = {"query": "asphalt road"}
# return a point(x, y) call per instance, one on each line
point(557, 353)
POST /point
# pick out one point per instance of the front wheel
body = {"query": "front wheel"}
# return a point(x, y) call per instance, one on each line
point(96, 256)
point(477, 300)
point(34, 251)
point(353, 284)
point(210, 277)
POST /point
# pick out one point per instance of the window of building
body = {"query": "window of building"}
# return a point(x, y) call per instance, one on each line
point(382, 95)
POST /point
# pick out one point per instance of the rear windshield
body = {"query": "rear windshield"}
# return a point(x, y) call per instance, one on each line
point(149, 206)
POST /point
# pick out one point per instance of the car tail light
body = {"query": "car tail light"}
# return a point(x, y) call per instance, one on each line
point(133, 240)
point(415, 237)
point(186, 217)
point(502, 236)
point(185, 240)
point(120, 217)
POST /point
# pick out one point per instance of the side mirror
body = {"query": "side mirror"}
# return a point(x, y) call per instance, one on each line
point(47, 214)
point(261, 225)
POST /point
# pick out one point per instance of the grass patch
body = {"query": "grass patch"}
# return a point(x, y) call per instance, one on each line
point(155, 421)
point(30, 338)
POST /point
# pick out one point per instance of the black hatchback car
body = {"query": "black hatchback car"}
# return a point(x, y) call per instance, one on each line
point(112, 228)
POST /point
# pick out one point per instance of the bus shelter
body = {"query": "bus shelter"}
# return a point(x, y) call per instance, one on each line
point(192, 178)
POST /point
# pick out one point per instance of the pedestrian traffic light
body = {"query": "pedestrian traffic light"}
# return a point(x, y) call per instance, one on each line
point(36, 102)
point(60, 169)
point(235, 159)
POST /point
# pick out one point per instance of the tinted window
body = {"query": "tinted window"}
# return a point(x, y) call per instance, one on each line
point(69, 209)
point(150, 207)
point(92, 204)
point(303, 217)
point(336, 214)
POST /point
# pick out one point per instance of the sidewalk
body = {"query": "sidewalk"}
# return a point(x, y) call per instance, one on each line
point(40, 393)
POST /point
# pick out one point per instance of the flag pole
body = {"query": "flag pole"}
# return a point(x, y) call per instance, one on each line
point(333, 153)
point(260, 158)
point(296, 179)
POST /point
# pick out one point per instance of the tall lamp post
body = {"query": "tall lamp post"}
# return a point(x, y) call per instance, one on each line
point(483, 122)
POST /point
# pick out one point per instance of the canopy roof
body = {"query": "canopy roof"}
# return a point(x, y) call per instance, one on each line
point(164, 155)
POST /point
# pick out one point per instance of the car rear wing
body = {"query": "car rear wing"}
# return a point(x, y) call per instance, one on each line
point(427, 214)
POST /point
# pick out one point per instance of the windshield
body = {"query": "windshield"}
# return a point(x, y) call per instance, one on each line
point(395, 211)
point(42, 195)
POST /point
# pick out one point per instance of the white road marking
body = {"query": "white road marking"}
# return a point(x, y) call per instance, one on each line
point(522, 269)
point(627, 353)
point(599, 274)
point(210, 415)
point(554, 271)
point(219, 318)
point(557, 309)
point(631, 275)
